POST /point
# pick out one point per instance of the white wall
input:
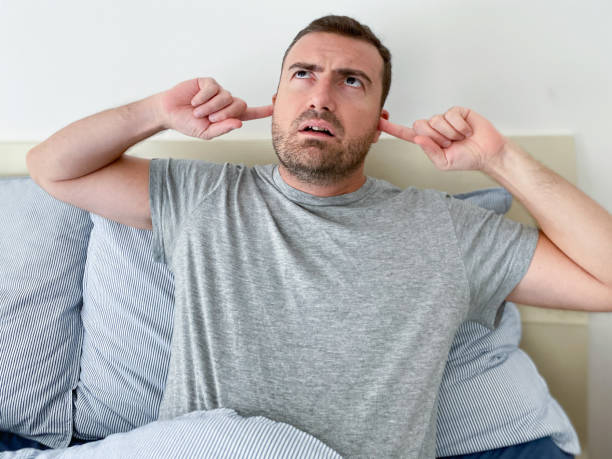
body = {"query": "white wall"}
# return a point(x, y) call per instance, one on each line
point(529, 66)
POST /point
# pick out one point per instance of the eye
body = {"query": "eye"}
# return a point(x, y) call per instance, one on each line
point(301, 74)
point(353, 82)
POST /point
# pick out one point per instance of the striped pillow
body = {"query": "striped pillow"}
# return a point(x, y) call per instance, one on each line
point(128, 303)
point(497, 200)
point(219, 433)
point(43, 245)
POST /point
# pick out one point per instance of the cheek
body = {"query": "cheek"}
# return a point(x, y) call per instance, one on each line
point(362, 120)
point(281, 122)
point(280, 114)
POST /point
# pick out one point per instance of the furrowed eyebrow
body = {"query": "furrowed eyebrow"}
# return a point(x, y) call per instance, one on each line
point(342, 71)
point(305, 66)
point(354, 72)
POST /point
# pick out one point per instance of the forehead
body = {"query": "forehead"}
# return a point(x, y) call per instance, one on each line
point(331, 50)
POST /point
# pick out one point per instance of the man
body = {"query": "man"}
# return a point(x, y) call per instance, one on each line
point(308, 292)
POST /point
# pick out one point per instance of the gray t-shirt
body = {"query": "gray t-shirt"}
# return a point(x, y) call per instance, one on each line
point(332, 314)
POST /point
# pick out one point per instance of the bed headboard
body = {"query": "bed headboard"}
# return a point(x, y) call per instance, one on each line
point(556, 340)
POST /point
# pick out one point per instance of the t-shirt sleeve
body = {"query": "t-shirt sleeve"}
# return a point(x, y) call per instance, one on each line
point(176, 187)
point(496, 254)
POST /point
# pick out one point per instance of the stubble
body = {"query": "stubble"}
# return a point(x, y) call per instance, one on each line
point(320, 162)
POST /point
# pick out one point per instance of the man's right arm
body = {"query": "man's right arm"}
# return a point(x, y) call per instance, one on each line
point(83, 164)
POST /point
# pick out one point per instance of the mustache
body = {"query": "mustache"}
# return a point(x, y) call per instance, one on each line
point(325, 116)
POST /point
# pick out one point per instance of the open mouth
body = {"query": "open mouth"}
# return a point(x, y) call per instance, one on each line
point(316, 127)
point(318, 132)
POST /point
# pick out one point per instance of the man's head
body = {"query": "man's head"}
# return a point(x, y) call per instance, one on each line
point(334, 79)
point(349, 27)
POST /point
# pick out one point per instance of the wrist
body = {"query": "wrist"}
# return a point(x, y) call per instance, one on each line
point(160, 115)
point(139, 120)
point(504, 161)
point(514, 169)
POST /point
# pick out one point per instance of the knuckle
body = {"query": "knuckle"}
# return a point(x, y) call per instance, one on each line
point(436, 120)
point(448, 118)
point(456, 123)
point(225, 96)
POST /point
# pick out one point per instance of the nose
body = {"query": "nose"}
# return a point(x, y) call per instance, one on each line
point(322, 97)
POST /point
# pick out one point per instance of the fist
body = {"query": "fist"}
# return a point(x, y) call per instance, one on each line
point(204, 109)
point(459, 139)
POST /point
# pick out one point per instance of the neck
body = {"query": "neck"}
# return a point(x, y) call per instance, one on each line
point(346, 185)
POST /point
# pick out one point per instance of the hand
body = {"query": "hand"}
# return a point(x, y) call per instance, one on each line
point(202, 108)
point(460, 139)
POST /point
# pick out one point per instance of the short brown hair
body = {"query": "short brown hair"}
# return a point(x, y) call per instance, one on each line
point(349, 27)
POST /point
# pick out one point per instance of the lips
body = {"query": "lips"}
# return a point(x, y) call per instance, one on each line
point(317, 127)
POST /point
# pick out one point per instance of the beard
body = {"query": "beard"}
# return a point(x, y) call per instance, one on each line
point(320, 162)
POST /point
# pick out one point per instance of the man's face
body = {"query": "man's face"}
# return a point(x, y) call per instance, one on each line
point(327, 107)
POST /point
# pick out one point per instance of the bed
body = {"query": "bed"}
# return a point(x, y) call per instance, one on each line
point(555, 340)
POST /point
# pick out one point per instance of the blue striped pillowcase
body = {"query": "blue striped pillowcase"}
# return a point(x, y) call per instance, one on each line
point(43, 245)
point(497, 199)
point(219, 433)
point(128, 305)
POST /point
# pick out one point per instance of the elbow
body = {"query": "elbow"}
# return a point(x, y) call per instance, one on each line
point(32, 164)
point(38, 170)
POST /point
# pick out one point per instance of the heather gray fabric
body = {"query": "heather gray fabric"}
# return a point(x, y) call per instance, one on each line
point(334, 315)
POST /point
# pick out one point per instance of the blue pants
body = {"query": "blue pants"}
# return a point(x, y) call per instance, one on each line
point(543, 448)
point(12, 442)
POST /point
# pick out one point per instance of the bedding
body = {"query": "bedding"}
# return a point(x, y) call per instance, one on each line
point(215, 434)
point(43, 246)
point(127, 324)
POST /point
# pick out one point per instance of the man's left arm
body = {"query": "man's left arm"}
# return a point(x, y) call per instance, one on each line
point(572, 264)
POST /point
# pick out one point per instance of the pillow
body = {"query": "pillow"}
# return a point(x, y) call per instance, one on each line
point(216, 433)
point(128, 303)
point(498, 200)
point(43, 244)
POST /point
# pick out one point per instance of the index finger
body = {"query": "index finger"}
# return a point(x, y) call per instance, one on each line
point(253, 113)
point(397, 130)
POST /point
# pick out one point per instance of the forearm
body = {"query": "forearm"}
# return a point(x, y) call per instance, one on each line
point(94, 142)
point(576, 224)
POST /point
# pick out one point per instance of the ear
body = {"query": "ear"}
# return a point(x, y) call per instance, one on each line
point(383, 114)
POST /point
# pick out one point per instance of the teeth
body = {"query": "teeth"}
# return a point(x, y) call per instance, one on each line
point(318, 129)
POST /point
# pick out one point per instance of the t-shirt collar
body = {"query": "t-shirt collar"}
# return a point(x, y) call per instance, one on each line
point(302, 197)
